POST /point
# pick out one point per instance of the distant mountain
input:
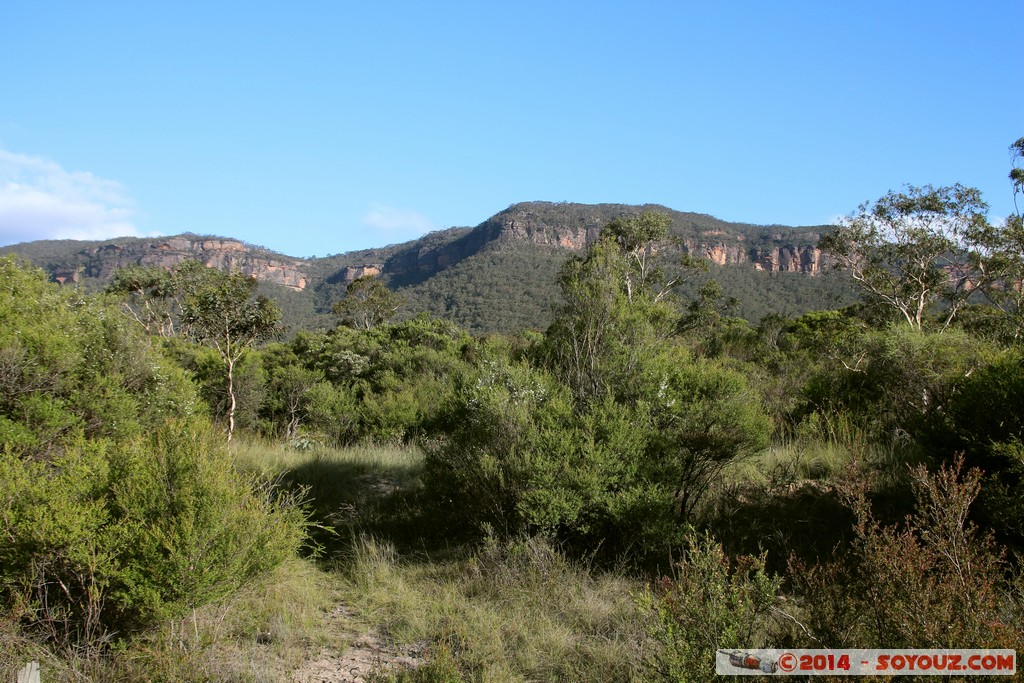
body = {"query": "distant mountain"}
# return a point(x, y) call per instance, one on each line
point(498, 276)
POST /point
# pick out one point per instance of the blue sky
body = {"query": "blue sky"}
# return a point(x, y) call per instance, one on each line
point(321, 127)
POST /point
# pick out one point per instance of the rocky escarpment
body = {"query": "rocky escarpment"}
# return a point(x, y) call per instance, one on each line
point(101, 261)
point(535, 235)
point(784, 258)
point(574, 226)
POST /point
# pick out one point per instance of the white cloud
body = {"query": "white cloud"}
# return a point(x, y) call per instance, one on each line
point(39, 200)
point(397, 223)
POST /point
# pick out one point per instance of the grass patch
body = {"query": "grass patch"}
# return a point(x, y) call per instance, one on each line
point(259, 634)
point(787, 500)
point(349, 491)
point(513, 612)
point(516, 612)
point(815, 460)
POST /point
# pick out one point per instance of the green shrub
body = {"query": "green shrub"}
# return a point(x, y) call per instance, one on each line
point(518, 456)
point(112, 538)
point(501, 419)
point(113, 513)
point(199, 530)
point(714, 602)
point(73, 366)
point(899, 380)
point(984, 420)
point(516, 459)
point(934, 581)
point(383, 385)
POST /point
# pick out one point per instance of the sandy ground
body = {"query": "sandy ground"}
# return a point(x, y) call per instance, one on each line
point(367, 653)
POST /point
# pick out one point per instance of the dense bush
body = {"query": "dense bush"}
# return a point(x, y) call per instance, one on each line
point(117, 506)
point(612, 441)
point(713, 603)
point(933, 581)
point(380, 385)
point(502, 420)
point(984, 421)
point(209, 375)
point(515, 455)
point(74, 367)
point(895, 382)
point(113, 537)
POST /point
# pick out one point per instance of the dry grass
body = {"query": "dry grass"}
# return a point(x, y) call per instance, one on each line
point(260, 633)
point(516, 612)
point(519, 612)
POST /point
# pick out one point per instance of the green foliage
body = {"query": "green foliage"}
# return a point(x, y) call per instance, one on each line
point(382, 385)
point(516, 459)
point(198, 530)
point(501, 420)
point(289, 396)
point(713, 603)
point(221, 312)
point(112, 538)
point(984, 421)
point(209, 374)
point(931, 581)
point(74, 366)
point(112, 517)
point(703, 417)
point(505, 288)
point(150, 293)
point(706, 321)
point(909, 250)
point(897, 381)
point(615, 445)
point(367, 303)
point(610, 326)
point(1003, 269)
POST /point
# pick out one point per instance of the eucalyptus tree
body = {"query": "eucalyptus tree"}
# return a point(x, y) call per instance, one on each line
point(222, 311)
point(367, 304)
point(910, 250)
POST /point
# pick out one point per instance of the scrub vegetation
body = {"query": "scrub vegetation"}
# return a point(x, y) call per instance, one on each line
point(186, 497)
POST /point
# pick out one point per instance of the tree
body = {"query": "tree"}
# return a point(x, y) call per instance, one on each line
point(613, 342)
point(367, 303)
point(1017, 172)
point(1003, 257)
point(615, 311)
point(909, 250)
point(116, 510)
point(707, 316)
point(223, 313)
point(150, 296)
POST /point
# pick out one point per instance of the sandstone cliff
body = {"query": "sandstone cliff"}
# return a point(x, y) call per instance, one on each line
point(574, 226)
point(100, 262)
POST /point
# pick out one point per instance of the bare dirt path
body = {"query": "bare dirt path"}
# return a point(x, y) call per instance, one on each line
point(367, 653)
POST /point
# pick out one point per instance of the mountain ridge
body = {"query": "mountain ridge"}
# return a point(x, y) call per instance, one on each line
point(517, 250)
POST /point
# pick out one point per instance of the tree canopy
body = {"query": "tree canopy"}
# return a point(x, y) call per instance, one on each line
point(912, 249)
point(224, 313)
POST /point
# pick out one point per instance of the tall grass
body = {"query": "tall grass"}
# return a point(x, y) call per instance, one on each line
point(517, 612)
point(350, 490)
point(823, 449)
point(259, 634)
point(499, 613)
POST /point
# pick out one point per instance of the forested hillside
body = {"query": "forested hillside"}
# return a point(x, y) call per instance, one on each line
point(498, 277)
point(647, 484)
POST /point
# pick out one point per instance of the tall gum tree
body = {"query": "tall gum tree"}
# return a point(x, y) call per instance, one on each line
point(910, 250)
point(223, 312)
